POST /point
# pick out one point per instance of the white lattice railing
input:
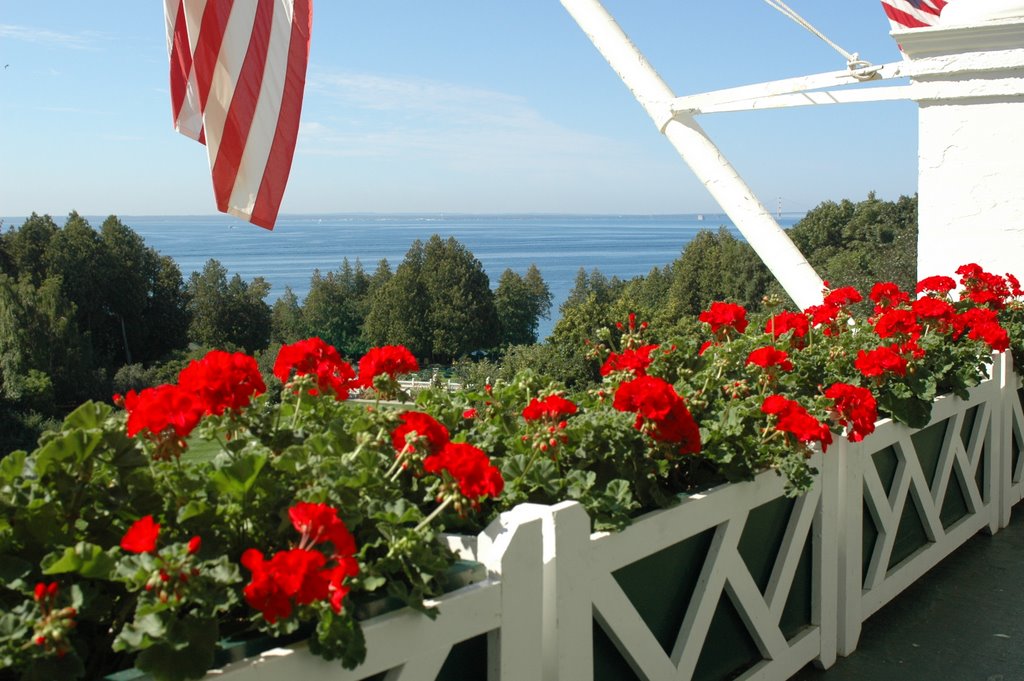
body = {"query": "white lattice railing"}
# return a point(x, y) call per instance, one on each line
point(563, 603)
point(913, 496)
point(588, 586)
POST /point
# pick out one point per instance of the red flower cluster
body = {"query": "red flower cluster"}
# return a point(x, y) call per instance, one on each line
point(163, 408)
point(794, 419)
point(725, 316)
point(660, 412)
point(983, 288)
point(470, 467)
point(786, 321)
point(634, 361)
point(899, 322)
point(855, 409)
point(218, 382)
point(303, 575)
point(937, 284)
point(223, 380)
point(141, 536)
point(552, 407)
point(387, 359)
point(314, 357)
point(419, 432)
point(886, 294)
point(880, 361)
point(769, 357)
point(981, 323)
point(52, 630)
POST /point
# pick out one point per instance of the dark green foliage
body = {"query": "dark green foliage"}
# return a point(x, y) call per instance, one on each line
point(716, 266)
point(858, 244)
point(228, 314)
point(438, 303)
point(286, 323)
point(521, 302)
point(335, 308)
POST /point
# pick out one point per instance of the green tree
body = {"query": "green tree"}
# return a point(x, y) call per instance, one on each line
point(335, 307)
point(521, 302)
point(399, 307)
point(716, 266)
point(461, 313)
point(286, 323)
point(227, 313)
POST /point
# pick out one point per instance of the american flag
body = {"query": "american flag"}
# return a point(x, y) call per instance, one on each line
point(912, 13)
point(238, 70)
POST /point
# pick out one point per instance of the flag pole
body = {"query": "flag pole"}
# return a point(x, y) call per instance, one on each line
point(755, 223)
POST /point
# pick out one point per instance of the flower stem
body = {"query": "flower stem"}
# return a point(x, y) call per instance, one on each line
point(433, 514)
point(295, 416)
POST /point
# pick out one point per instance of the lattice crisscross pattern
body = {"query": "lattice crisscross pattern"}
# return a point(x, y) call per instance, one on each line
point(966, 457)
point(724, 512)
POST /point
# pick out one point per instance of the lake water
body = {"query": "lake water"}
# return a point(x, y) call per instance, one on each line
point(559, 245)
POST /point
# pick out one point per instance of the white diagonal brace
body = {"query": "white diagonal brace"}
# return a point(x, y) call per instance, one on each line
point(707, 593)
point(790, 552)
point(756, 224)
point(628, 631)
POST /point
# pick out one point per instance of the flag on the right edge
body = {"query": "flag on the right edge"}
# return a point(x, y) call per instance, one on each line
point(912, 13)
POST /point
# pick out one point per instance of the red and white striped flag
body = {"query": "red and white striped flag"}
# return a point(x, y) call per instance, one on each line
point(912, 13)
point(238, 70)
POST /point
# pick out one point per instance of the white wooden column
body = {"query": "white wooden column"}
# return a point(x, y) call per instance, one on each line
point(971, 138)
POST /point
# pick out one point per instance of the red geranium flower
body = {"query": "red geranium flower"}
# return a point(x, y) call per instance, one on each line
point(428, 436)
point(314, 357)
point(794, 419)
point(554, 407)
point(843, 296)
point(886, 294)
point(856, 408)
point(660, 412)
point(934, 310)
point(938, 284)
point(303, 575)
point(768, 357)
point(141, 536)
point(897, 322)
point(725, 315)
point(880, 361)
point(223, 380)
point(982, 324)
point(635, 361)
point(470, 467)
point(785, 321)
point(161, 408)
point(388, 359)
point(983, 288)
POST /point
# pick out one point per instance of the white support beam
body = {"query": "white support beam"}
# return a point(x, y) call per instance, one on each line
point(756, 224)
point(748, 97)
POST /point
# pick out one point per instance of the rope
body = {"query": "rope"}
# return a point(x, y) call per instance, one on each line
point(860, 69)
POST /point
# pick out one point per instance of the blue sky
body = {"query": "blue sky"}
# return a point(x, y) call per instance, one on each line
point(449, 106)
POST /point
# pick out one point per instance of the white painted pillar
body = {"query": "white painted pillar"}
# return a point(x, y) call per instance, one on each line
point(971, 138)
point(753, 220)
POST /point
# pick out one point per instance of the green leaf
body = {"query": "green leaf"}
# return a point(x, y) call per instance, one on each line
point(12, 466)
point(179, 662)
point(192, 509)
point(14, 571)
point(238, 478)
point(88, 416)
point(141, 633)
point(71, 446)
point(86, 559)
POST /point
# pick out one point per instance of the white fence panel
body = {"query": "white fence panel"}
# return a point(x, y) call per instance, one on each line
point(586, 589)
point(886, 480)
